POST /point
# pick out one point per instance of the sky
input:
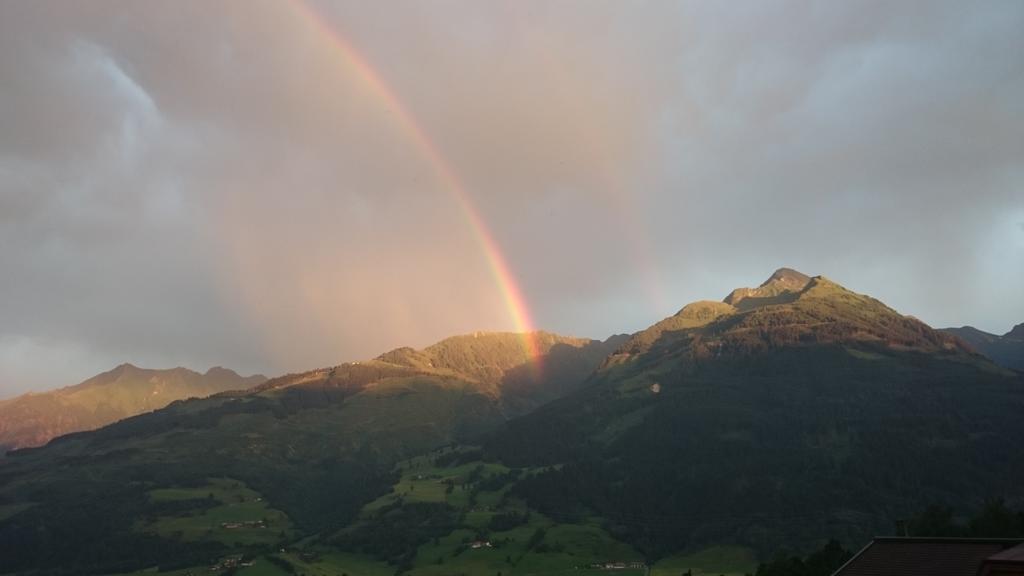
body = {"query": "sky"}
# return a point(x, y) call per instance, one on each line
point(278, 185)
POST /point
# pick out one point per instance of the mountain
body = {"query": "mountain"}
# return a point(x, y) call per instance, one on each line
point(34, 418)
point(789, 309)
point(318, 445)
point(1006, 350)
point(497, 365)
point(789, 411)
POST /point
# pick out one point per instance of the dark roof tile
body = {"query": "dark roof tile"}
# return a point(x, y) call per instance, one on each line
point(923, 557)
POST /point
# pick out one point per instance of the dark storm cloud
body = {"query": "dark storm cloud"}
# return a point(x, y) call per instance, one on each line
point(214, 183)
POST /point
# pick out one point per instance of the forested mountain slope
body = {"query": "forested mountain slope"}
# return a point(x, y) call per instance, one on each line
point(793, 410)
point(1006, 350)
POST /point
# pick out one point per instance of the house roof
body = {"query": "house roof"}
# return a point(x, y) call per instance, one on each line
point(925, 556)
point(1015, 554)
point(1006, 563)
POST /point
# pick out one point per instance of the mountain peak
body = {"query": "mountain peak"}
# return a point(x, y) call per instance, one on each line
point(121, 370)
point(1016, 333)
point(782, 286)
point(787, 276)
point(221, 372)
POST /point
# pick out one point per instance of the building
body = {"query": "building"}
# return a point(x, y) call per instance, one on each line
point(1006, 563)
point(938, 557)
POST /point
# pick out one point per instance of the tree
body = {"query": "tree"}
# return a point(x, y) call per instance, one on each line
point(936, 520)
point(996, 521)
point(536, 538)
point(822, 562)
point(827, 560)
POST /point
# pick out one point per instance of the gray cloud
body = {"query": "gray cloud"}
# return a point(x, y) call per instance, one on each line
point(215, 183)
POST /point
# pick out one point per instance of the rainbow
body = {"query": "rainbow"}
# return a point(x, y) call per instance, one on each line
point(512, 295)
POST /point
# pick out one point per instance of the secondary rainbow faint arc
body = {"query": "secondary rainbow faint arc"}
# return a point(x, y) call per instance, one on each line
point(510, 291)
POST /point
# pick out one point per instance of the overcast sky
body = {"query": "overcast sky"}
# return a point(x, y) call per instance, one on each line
point(217, 183)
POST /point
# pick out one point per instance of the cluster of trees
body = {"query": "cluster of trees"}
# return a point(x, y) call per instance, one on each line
point(190, 506)
point(87, 517)
point(994, 520)
point(395, 531)
point(457, 457)
point(508, 520)
point(88, 528)
point(822, 562)
point(495, 482)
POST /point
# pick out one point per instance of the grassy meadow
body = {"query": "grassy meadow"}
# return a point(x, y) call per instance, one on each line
point(231, 514)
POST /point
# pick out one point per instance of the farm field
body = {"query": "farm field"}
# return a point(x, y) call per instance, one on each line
point(225, 511)
point(483, 529)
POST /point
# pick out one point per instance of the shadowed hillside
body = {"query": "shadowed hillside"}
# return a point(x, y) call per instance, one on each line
point(1006, 350)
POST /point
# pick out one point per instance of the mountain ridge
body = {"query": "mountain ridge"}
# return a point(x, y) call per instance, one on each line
point(790, 308)
point(34, 418)
point(1006, 350)
point(497, 364)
